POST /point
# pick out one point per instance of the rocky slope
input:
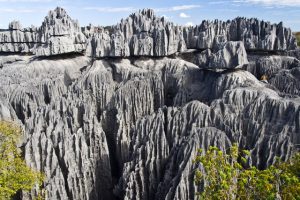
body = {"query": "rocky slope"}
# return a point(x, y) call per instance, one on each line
point(119, 112)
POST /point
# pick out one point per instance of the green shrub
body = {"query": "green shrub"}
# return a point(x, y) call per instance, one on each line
point(225, 177)
point(15, 175)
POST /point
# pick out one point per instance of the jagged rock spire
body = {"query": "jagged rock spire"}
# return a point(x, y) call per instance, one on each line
point(142, 34)
point(58, 22)
point(15, 25)
point(61, 34)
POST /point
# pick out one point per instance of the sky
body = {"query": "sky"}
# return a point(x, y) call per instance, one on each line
point(184, 12)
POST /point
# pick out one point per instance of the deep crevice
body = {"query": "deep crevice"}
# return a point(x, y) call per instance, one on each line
point(59, 56)
point(65, 173)
point(19, 112)
point(110, 128)
point(47, 98)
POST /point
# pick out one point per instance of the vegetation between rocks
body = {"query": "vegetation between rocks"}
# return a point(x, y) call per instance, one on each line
point(15, 175)
point(227, 176)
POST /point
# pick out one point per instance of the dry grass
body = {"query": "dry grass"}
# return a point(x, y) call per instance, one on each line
point(297, 34)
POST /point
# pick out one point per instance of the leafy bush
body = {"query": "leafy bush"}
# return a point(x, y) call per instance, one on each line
point(15, 175)
point(226, 177)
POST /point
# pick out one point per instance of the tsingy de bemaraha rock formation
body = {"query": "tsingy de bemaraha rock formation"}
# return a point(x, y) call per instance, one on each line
point(119, 112)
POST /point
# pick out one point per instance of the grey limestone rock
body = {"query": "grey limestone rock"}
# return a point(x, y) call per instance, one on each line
point(124, 119)
point(230, 56)
point(255, 34)
point(270, 65)
point(280, 71)
point(287, 81)
point(131, 128)
point(60, 34)
point(16, 39)
point(15, 25)
point(141, 34)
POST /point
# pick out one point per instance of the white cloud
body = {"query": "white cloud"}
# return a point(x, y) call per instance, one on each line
point(293, 21)
point(217, 2)
point(177, 8)
point(271, 2)
point(111, 9)
point(189, 24)
point(26, 1)
point(226, 10)
point(185, 7)
point(12, 10)
point(183, 15)
point(167, 17)
point(132, 9)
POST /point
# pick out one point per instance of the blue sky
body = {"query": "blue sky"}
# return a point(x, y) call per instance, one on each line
point(108, 12)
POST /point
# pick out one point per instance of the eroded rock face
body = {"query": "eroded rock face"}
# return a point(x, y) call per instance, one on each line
point(135, 125)
point(61, 34)
point(231, 55)
point(141, 34)
point(255, 34)
point(16, 39)
point(129, 128)
point(281, 72)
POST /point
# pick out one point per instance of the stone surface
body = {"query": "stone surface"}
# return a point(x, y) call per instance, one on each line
point(141, 34)
point(282, 72)
point(230, 55)
point(58, 34)
point(128, 124)
point(61, 34)
point(255, 34)
point(16, 39)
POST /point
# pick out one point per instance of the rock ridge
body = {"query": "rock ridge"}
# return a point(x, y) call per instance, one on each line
point(141, 34)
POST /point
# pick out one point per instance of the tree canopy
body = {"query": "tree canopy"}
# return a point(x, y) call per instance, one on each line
point(15, 175)
point(225, 176)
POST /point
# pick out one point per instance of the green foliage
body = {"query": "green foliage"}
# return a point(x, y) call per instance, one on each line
point(225, 177)
point(15, 175)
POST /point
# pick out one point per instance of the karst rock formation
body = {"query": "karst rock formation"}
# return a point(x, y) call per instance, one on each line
point(118, 112)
